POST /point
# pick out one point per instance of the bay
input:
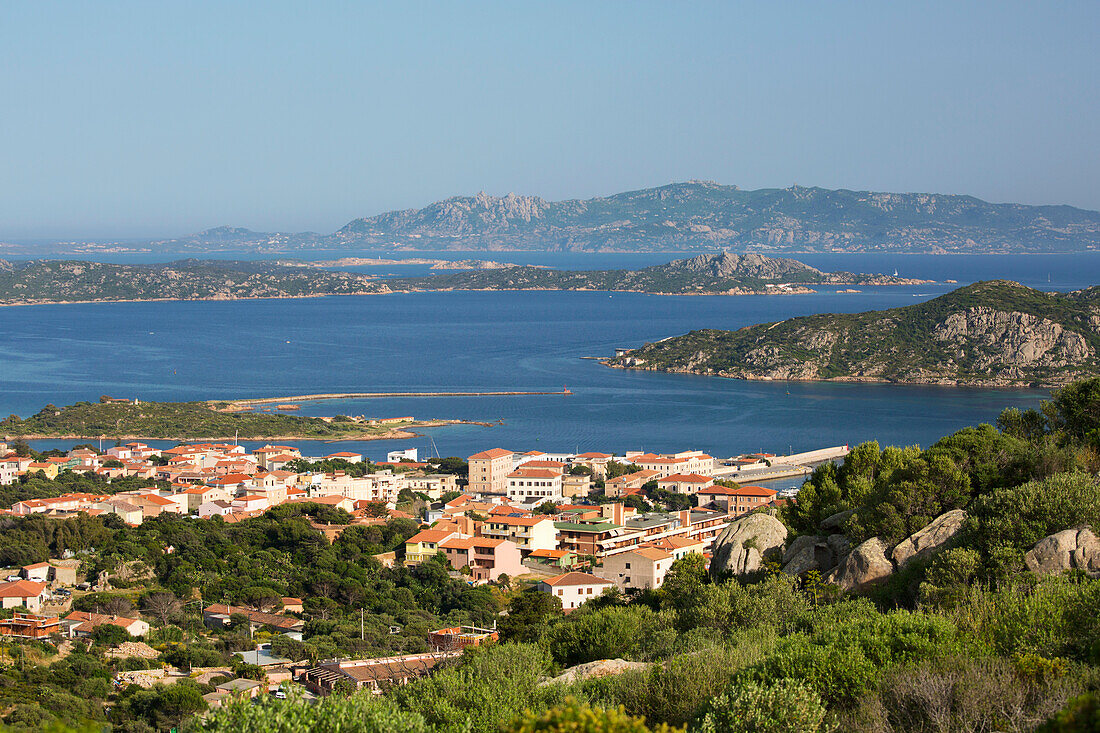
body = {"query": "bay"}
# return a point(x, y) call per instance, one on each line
point(509, 341)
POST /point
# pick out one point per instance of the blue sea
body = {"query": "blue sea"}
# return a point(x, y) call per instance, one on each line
point(508, 341)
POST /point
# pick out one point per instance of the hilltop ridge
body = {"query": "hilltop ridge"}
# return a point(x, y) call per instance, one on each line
point(698, 216)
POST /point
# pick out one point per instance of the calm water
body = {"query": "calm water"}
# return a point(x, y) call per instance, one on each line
point(508, 341)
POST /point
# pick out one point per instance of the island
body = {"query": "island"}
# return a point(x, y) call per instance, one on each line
point(690, 216)
point(997, 333)
point(131, 419)
point(67, 281)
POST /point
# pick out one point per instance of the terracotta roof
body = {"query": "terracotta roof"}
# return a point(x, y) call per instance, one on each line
point(753, 491)
point(591, 455)
point(575, 579)
point(428, 535)
point(520, 521)
point(458, 543)
point(21, 589)
point(524, 472)
point(651, 553)
point(36, 566)
point(543, 464)
point(550, 553)
point(687, 478)
point(491, 453)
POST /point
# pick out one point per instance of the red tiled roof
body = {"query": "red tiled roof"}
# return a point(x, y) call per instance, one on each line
point(575, 579)
point(491, 453)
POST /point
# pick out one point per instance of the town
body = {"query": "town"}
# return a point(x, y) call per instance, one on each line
point(569, 525)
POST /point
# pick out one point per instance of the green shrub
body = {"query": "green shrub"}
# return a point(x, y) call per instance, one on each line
point(784, 706)
point(577, 717)
point(359, 713)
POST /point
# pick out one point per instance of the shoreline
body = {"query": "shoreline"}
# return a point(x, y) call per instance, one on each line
point(850, 379)
point(796, 289)
point(402, 433)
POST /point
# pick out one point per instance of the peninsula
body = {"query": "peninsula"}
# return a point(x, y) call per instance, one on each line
point(66, 281)
point(997, 333)
point(137, 420)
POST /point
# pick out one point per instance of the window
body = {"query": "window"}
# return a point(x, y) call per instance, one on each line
point(561, 592)
point(628, 566)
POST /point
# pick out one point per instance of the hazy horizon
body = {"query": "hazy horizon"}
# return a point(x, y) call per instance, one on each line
point(141, 121)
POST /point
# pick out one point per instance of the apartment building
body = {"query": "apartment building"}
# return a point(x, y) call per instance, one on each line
point(489, 471)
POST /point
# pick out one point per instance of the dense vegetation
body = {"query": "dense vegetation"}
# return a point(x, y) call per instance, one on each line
point(179, 421)
point(972, 335)
point(965, 640)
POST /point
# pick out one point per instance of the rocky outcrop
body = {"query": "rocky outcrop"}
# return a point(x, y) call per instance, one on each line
point(836, 521)
point(929, 539)
point(865, 566)
point(1066, 550)
point(743, 546)
point(1012, 340)
point(594, 670)
point(814, 552)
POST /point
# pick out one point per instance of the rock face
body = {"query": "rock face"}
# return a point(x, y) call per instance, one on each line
point(864, 566)
point(810, 552)
point(747, 265)
point(1066, 550)
point(593, 670)
point(745, 543)
point(929, 539)
point(1013, 340)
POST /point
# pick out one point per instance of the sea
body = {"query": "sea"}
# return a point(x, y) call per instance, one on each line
point(508, 341)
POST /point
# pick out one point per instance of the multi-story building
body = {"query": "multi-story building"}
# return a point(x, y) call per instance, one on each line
point(641, 567)
point(489, 471)
point(684, 462)
point(534, 485)
point(529, 533)
point(488, 558)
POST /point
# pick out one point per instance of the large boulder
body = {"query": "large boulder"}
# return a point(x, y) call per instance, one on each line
point(1066, 550)
point(834, 521)
point(594, 670)
point(931, 538)
point(808, 552)
point(864, 566)
point(840, 546)
point(743, 546)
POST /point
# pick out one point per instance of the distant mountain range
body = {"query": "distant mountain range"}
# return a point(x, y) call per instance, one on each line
point(996, 333)
point(694, 216)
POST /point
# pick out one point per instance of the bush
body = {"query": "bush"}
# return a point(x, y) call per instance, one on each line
point(608, 633)
point(576, 717)
point(359, 713)
point(785, 706)
point(1082, 715)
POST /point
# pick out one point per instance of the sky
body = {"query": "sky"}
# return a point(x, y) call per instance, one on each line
point(140, 119)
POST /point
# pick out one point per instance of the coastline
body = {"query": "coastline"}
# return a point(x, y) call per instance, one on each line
point(855, 379)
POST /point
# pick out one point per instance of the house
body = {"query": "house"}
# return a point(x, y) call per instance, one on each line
point(38, 572)
point(740, 500)
point(685, 483)
point(127, 512)
point(347, 456)
point(575, 486)
point(30, 626)
point(595, 461)
point(49, 470)
point(292, 605)
point(372, 674)
point(11, 466)
point(678, 546)
point(434, 485)
point(529, 533)
point(425, 544)
point(642, 567)
point(27, 593)
point(528, 485)
point(486, 557)
point(250, 503)
point(556, 558)
point(83, 623)
point(64, 572)
point(396, 456)
point(218, 615)
point(573, 589)
point(489, 471)
point(241, 688)
point(271, 457)
point(619, 485)
point(215, 508)
point(151, 503)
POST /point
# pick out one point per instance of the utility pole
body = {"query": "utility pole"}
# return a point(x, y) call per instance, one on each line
point(362, 628)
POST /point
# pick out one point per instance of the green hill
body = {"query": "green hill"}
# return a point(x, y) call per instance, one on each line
point(995, 333)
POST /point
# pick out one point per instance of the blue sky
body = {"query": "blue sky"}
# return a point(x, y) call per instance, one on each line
point(155, 119)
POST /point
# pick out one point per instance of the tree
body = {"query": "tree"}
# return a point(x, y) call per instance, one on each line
point(163, 605)
point(683, 580)
point(786, 706)
point(109, 634)
point(528, 614)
